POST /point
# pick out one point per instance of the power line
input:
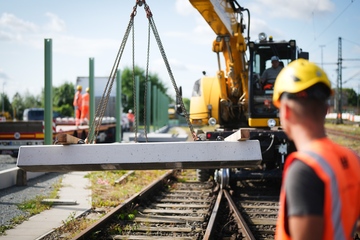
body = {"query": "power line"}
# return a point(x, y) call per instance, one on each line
point(358, 44)
point(336, 19)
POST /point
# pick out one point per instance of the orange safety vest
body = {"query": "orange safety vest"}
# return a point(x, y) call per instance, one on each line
point(339, 169)
point(85, 100)
point(77, 99)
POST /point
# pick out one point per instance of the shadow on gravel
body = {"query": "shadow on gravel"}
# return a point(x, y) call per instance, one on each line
point(42, 182)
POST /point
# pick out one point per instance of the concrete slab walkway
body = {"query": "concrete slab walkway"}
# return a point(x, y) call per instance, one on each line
point(74, 187)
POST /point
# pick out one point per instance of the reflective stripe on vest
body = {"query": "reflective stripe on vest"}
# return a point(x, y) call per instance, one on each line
point(335, 197)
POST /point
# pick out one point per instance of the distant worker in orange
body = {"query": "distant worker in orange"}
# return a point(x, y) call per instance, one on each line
point(85, 107)
point(131, 119)
point(77, 105)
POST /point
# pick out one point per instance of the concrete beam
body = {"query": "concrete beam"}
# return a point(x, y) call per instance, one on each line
point(140, 156)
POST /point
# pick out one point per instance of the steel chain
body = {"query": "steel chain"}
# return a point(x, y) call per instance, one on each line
point(95, 126)
point(106, 94)
point(146, 81)
point(178, 95)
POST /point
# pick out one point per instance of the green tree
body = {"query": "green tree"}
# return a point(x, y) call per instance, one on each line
point(18, 106)
point(127, 87)
point(31, 101)
point(20, 103)
point(5, 105)
point(186, 102)
point(351, 96)
point(63, 99)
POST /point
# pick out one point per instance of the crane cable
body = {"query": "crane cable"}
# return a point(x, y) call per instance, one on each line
point(95, 126)
point(162, 51)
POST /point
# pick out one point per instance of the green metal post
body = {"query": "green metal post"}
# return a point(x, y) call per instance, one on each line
point(158, 108)
point(48, 114)
point(166, 112)
point(137, 92)
point(92, 91)
point(154, 104)
point(148, 106)
point(118, 106)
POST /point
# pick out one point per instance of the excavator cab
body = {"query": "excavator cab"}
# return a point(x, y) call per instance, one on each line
point(262, 112)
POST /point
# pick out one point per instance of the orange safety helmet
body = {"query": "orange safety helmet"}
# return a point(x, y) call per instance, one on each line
point(299, 75)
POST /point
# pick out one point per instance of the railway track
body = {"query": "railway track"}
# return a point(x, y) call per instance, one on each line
point(258, 203)
point(343, 134)
point(173, 207)
point(170, 208)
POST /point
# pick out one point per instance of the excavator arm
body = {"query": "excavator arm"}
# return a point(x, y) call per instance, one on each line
point(227, 22)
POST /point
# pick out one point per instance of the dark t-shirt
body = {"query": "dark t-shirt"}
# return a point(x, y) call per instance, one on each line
point(304, 191)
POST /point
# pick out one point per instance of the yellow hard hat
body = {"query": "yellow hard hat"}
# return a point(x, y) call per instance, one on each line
point(79, 87)
point(87, 89)
point(299, 75)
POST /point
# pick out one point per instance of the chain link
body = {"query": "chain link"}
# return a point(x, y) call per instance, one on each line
point(106, 94)
point(100, 111)
point(178, 95)
point(146, 81)
point(134, 85)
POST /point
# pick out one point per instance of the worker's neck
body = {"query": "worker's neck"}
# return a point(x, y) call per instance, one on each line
point(304, 135)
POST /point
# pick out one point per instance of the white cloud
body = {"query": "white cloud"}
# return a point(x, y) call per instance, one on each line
point(12, 28)
point(3, 75)
point(184, 7)
point(293, 9)
point(8, 36)
point(13, 23)
point(56, 24)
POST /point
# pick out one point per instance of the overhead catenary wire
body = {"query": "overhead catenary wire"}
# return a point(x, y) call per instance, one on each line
point(332, 22)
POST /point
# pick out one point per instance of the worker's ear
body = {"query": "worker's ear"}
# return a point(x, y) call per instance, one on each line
point(285, 111)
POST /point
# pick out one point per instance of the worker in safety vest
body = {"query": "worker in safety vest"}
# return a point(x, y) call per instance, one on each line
point(320, 194)
point(131, 118)
point(77, 104)
point(85, 107)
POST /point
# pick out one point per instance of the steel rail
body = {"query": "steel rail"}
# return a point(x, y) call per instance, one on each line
point(86, 234)
point(210, 227)
point(244, 228)
point(342, 134)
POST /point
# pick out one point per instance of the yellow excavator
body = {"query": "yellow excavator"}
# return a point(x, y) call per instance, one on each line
point(234, 98)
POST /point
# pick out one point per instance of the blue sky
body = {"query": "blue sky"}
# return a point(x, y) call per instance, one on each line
point(82, 29)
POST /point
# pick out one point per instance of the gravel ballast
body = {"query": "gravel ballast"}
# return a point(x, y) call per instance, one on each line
point(12, 196)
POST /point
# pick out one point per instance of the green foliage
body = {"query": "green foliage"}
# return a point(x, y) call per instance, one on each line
point(20, 103)
point(127, 87)
point(64, 95)
point(351, 97)
point(5, 104)
point(34, 206)
point(186, 102)
point(66, 110)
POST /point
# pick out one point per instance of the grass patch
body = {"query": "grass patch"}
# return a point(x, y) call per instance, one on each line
point(32, 207)
point(353, 129)
point(105, 193)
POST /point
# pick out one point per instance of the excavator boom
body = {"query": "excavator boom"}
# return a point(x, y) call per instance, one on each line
point(226, 21)
point(218, 14)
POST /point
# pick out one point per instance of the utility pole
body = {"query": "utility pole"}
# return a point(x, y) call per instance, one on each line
point(339, 85)
point(321, 46)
